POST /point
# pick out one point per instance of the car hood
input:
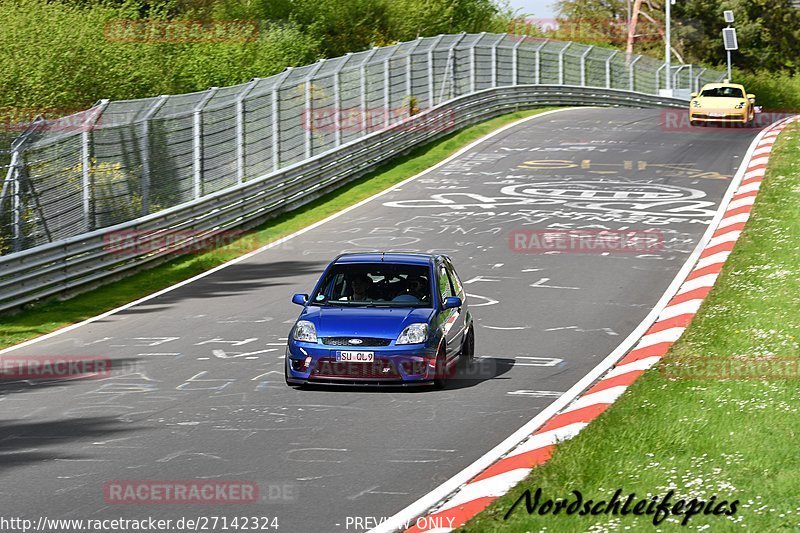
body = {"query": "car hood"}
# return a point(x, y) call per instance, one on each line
point(719, 103)
point(383, 322)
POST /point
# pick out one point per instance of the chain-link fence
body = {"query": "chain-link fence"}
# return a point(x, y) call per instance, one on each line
point(125, 159)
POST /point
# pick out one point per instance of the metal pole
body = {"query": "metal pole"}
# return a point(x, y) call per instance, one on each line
point(240, 129)
point(471, 68)
point(431, 88)
point(561, 63)
point(276, 120)
point(451, 63)
point(494, 60)
point(409, 75)
point(537, 61)
point(668, 32)
point(198, 142)
point(16, 206)
point(363, 103)
point(386, 93)
point(730, 75)
point(583, 65)
point(308, 119)
point(515, 62)
point(697, 80)
point(658, 77)
point(337, 100)
point(608, 68)
point(87, 181)
point(144, 149)
point(633, 63)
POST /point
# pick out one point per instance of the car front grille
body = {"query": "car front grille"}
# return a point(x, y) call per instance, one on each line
point(328, 367)
point(365, 341)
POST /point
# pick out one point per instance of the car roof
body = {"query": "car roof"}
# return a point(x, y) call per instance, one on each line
point(387, 257)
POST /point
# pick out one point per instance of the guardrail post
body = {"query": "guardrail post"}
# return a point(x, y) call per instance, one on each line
point(633, 63)
point(240, 141)
point(583, 65)
point(515, 62)
point(87, 178)
point(276, 120)
point(144, 149)
point(561, 63)
point(308, 106)
point(363, 103)
point(608, 68)
point(537, 62)
point(197, 143)
point(431, 88)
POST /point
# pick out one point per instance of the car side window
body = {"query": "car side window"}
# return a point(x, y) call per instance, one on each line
point(457, 286)
point(445, 289)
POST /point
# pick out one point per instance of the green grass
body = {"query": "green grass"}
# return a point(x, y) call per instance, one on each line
point(50, 315)
point(735, 439)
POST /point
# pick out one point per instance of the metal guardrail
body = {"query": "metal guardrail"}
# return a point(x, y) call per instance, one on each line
point(84, 261)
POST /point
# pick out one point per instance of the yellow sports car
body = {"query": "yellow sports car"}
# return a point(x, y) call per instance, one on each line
point(722, 103)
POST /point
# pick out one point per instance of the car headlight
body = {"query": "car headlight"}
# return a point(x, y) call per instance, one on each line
point(740, 105)
point(305, 331)
point(413, 334)
point(695, 103)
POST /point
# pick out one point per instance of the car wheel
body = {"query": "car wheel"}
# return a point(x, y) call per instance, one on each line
point(440, 373)
point(693, 123)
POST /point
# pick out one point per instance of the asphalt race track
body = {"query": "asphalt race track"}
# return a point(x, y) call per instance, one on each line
point(197, 390)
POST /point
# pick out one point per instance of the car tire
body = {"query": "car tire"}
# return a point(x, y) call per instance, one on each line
point(440, 373)
point(693, 123)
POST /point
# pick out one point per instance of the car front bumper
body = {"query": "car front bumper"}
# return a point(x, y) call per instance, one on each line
point(405, 365)
point(729, 116)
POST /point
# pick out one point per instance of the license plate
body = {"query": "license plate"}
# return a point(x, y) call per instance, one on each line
point(356, 357)
point(716, 115)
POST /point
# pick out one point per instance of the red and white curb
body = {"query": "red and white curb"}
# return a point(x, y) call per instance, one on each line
point(497, 479)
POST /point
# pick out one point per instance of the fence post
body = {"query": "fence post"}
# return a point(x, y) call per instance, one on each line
point(538, 61)
point(363, 103)
point(515, 63)
point(431, 88)
point(276, 120)
point(197, 134)
point(583, 65)
point(676, 78)
point(561, 63)
point(633, 63)
point(144, 149)
point(494, 60)
point(386, 93)
point(697, 80)
point(608, 68)
point(337, 100)
point(14, 181)
point(409, 77)
point(451, 64)
point(308, 109)
point(87, 178)
point(472, 66)
point(240, 141)
point(658, 76)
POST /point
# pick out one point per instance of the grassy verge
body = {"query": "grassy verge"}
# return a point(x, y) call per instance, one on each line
point(733, 439)
point(51, 315)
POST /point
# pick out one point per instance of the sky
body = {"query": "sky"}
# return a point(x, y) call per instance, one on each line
point(539, 8)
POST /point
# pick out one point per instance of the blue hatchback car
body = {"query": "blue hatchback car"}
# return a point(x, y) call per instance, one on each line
point(381, 319)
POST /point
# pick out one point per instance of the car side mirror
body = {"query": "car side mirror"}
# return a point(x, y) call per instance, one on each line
point(751, 97)
point(694, 95)
point(452, 301)
point(300, 299)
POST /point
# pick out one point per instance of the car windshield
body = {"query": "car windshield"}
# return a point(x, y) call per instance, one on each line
point(375, 285)
point(723, 92)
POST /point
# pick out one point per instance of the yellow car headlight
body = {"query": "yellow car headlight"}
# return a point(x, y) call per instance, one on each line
point(695, 103)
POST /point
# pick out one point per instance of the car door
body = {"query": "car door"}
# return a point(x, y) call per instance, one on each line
point(449, 318)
